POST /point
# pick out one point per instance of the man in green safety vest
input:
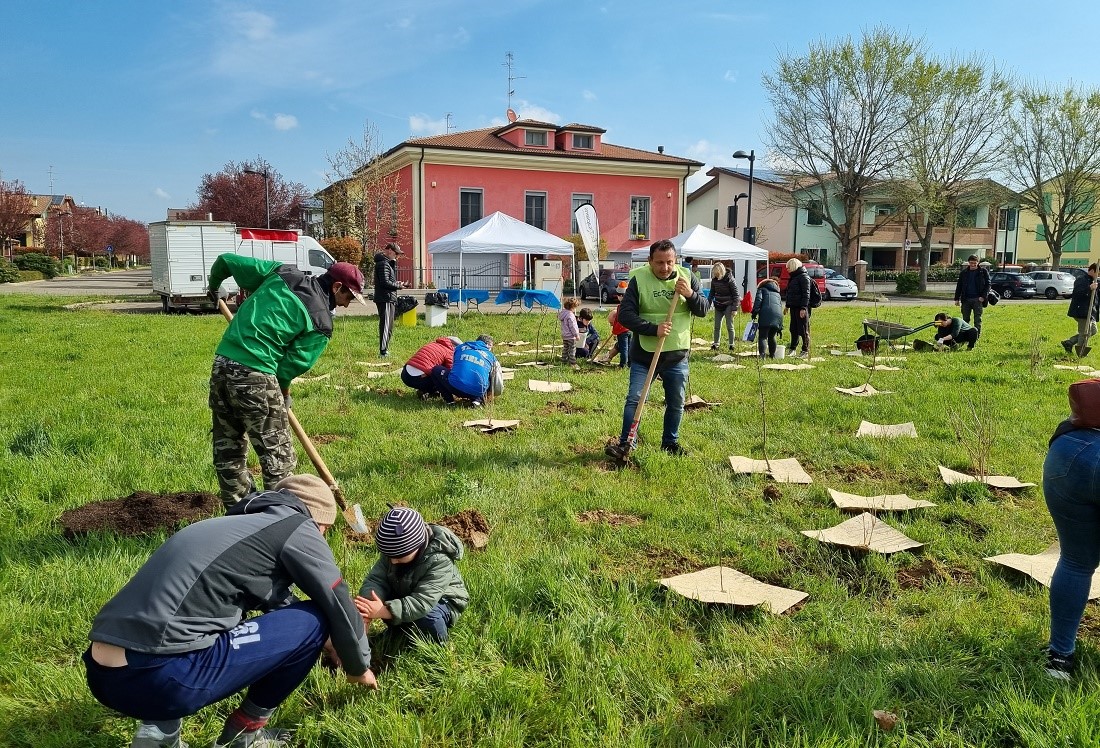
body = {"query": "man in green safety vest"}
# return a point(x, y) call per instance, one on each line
point(643, 310)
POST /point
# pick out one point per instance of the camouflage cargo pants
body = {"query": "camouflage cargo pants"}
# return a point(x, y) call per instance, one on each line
point(247, 405)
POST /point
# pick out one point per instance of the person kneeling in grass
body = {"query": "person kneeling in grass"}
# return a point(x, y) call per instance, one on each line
point(175, 638)
point(953, 330)
point(414, 587)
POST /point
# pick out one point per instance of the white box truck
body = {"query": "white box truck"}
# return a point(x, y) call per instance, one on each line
point(181, 254)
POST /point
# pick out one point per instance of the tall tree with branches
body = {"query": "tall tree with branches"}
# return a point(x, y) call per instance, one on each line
point(364, 199)
point(236, 196)
point(948, 149)
point(16, 212)
point(1053, 159)
point(837, 113)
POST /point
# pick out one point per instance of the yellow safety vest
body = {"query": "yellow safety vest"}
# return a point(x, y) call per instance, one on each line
point(653, 300)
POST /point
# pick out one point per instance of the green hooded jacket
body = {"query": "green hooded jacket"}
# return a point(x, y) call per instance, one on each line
point(411, 590)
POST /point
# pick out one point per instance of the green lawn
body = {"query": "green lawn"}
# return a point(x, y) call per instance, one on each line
point(569, 640)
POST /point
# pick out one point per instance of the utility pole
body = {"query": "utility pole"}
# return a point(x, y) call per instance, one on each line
point(509, 62)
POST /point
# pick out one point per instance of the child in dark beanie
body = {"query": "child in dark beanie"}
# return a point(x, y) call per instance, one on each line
point(414, 586)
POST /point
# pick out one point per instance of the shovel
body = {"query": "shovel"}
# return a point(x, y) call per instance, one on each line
point(632, 435)
point(353, 514)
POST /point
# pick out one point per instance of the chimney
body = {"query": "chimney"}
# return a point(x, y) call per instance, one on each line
point(660, 149)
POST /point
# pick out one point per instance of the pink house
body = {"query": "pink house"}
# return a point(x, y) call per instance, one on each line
point(539, 173)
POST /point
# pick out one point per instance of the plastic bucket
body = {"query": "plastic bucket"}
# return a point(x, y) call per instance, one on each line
point(408, 319)
point(781, 351)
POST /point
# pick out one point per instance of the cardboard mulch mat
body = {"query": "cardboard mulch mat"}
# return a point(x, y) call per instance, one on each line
point(697, 403)
point(140, 513)
point(1040, 566)
point(951, 477)
point(726, 586)
point(470, 526)
point(596, 516)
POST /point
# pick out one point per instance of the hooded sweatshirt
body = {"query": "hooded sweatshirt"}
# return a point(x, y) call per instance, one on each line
point(411, 590)
point(206, 577)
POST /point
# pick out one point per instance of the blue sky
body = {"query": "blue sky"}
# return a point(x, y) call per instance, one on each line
point(130, 103)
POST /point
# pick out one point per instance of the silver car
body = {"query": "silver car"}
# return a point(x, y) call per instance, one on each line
point(1052, 283)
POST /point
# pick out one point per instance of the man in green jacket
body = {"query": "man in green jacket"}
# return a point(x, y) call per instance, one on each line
point(278, 333)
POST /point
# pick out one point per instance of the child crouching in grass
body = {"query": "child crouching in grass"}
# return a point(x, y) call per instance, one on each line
point(414, 587)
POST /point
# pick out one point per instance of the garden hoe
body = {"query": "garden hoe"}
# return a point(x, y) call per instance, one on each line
point(353, 514)
point(632, 435)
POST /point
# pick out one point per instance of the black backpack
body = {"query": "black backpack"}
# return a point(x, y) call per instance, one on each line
point(815, 294)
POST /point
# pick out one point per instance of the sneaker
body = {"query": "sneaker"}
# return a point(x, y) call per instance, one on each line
point(616, 451)
point(674, 449)
point(714, 346)
point(475, 403)
point(731, 347)
point(1059, 666)
point(1068, 345)
point(150, 736)
point(262, 738)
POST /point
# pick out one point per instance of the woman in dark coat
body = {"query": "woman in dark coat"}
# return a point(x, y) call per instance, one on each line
point(767, 312)
point(723, 295)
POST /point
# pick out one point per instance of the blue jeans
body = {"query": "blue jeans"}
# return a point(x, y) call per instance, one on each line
point(622, 345)
point(1071, 484)
point(270, 655)
point(674, 378)
point(435, 625)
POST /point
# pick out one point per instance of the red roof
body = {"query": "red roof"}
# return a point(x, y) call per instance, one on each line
point(488, 139)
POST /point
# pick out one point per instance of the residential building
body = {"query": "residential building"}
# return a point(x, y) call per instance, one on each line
point(534, 171)
point(771, 211)
point(42, 223)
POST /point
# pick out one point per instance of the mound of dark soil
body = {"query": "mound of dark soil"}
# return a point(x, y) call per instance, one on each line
point(140, 513)
point(470, 526)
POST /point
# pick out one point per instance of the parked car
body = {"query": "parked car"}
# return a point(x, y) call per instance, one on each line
point(1052, 283)
point(1009, 285)
point(609, 288)
point(838, 287)
point(779, 270)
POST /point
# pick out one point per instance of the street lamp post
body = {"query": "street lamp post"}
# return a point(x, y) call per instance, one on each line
point(267, 192)
point(750, 232)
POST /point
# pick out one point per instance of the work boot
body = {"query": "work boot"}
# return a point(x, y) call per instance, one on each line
point(1068, 345)
point(674, 449)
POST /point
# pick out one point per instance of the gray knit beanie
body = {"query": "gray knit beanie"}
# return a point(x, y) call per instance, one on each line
point(401, 531)
point(314, 493)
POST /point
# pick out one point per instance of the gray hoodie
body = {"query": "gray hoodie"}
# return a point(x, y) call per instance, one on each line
point(206, 577)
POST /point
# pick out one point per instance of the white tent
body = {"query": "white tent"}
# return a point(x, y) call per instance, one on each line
point(499, 233)
point(701, 243)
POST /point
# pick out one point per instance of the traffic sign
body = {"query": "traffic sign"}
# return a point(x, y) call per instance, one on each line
point(110, 249)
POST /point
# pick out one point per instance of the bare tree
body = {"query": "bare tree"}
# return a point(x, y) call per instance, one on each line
point(1053, 158)
point(364, 199)
point(16, 212)
point(948, 148)
point(838, 112)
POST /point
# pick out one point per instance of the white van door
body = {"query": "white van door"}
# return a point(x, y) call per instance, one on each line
point(312, 257)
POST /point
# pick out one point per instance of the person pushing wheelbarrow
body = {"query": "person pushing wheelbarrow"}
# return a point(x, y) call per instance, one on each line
point(657, 307)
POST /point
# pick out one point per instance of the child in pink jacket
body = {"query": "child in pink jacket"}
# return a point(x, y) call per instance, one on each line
point(569, 331)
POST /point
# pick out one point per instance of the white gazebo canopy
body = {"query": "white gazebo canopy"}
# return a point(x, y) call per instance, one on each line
point(500, 233)
point(701, 243)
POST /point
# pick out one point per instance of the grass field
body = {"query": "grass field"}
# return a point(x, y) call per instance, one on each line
point(569, 640)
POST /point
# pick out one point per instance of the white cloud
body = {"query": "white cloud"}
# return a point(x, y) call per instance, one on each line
point(400, 24)
point(461, 36)
point(588, 95)
point(731, 76)
point(527, 110)
point(285, 121)
point(255, 26)
point(279, 121)
point(423, 125)
point(160, 193)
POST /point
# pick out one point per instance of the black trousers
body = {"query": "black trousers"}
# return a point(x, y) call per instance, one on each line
point(386, 314)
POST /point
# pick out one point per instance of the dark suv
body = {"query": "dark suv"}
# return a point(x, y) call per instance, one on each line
point(1009, 285)
point(610, 287)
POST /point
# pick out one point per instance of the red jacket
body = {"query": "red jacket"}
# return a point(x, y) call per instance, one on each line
point(440, 351)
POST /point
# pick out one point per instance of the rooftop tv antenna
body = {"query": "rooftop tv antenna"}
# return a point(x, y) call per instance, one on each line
point(447, 119)
point(509, 62)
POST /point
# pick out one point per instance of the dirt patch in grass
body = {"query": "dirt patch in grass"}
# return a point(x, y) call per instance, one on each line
point(327, 438)
point(594, 516)
point(470, 526)
point(140, 513)
point(930, 571)
point(563, 406)
point(973, 528)
point(858, 471)
point(772, 492)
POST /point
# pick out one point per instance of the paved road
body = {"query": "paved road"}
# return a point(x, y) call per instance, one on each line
point(139, 283)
